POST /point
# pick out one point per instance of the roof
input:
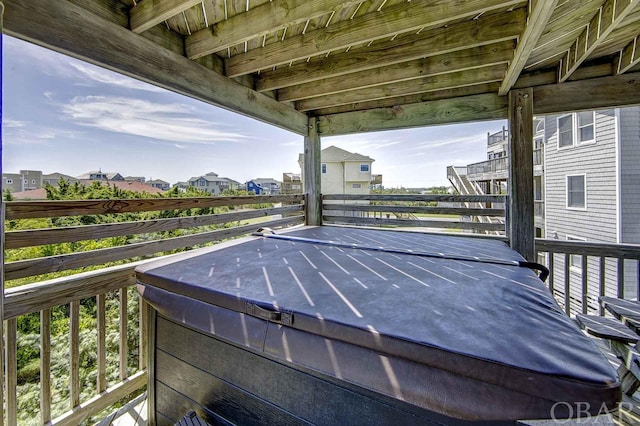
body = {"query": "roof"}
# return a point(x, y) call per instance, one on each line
point(157, 181)
point(356, 65)
point(334, 154)
point(128, 185)
point(57, 176)
point(34, 194)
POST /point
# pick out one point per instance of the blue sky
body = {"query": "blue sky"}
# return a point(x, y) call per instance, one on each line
point(64, 115)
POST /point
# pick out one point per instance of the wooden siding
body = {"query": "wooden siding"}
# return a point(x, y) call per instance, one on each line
point(630, 174)
point(598, 222)
point(629, 167)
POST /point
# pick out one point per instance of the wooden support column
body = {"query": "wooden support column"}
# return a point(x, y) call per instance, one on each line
point(312, 189)
point(520, 151)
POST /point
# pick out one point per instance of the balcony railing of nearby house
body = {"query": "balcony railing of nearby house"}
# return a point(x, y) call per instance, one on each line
point(497, 137)
point(96, 312)
point(497, 165)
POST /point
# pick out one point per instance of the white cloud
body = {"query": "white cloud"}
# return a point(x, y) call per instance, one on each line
point(167, 122)
point(108, 77)
point(21, 132)
point(9, 123)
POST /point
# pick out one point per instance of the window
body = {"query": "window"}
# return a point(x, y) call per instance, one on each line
point(9, 181)
point(575, 260)
point(364, 168)
point(585, 126)
point(565, 131)
point(324, 168)
point(356, 186)
point(574, 132)
point(576, 192)
point(33, 181)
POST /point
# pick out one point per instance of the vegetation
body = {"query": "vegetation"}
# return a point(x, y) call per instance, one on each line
point(28, 354)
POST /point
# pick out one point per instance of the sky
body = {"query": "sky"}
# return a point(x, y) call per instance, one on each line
point(64, 115)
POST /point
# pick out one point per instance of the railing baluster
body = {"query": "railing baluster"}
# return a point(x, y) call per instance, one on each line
point(142, 348)
point(585, 286)
point(45, 366)
point(621, 277)
point(12, 372)
point(602, 290)
point(102, 348)
point(567, 287)
point(124, 350)
point(74, 351)
point(551, 272)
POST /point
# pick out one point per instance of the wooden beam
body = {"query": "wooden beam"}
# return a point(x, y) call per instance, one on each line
point(427, 84)
point(604, 92)
point(149, 13)
point(460, 60)
point(476, 89)
point(312, 175)
point(258, 22)
point(446, 111)
point(484, 31)
point(520, 147)
point(610, 15)
point(66, 28)
point(629, 57)
point(539, 15)
point(402, 17)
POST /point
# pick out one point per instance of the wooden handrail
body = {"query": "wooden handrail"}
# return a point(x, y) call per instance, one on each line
point(39, 209)
point(71, 290)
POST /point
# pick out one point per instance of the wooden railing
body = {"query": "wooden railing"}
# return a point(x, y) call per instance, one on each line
point(444, 212)
point(496, 165)
point(583, 271)
point(106, 297)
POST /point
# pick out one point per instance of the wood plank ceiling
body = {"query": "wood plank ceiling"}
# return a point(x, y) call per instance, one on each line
point(328, 57)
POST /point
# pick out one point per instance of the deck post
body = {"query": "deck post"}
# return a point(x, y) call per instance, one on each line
point(313, 202)
point(520, 153)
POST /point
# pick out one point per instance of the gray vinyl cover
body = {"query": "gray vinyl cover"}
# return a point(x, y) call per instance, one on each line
point(468, 340)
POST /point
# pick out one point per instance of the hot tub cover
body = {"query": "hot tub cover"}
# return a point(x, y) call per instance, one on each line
point(466, 339)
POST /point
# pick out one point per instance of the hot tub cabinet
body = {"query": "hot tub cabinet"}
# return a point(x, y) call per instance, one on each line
point(330, 325)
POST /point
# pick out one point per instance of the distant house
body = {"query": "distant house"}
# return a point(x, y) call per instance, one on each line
point(269, 186)
point(291, 183)
point(26, 180)
point(343, 172)
point(213, 183)
point(182, 186)
point(100, 175)
point(160, 184)
point(254, 187)
point(53, 179)
point(140, 179)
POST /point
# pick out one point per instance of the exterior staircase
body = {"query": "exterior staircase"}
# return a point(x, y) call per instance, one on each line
point(463, 186)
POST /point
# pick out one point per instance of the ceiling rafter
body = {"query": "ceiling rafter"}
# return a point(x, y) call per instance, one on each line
point(628, 57)
point(476, 89)
point(460, 60)
point(539, 16)
point(258, 22)
point(402, 17)
point(487, 106)
point(610, 15)
point(149, 13)
point(486, 30)
point(426, 84)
